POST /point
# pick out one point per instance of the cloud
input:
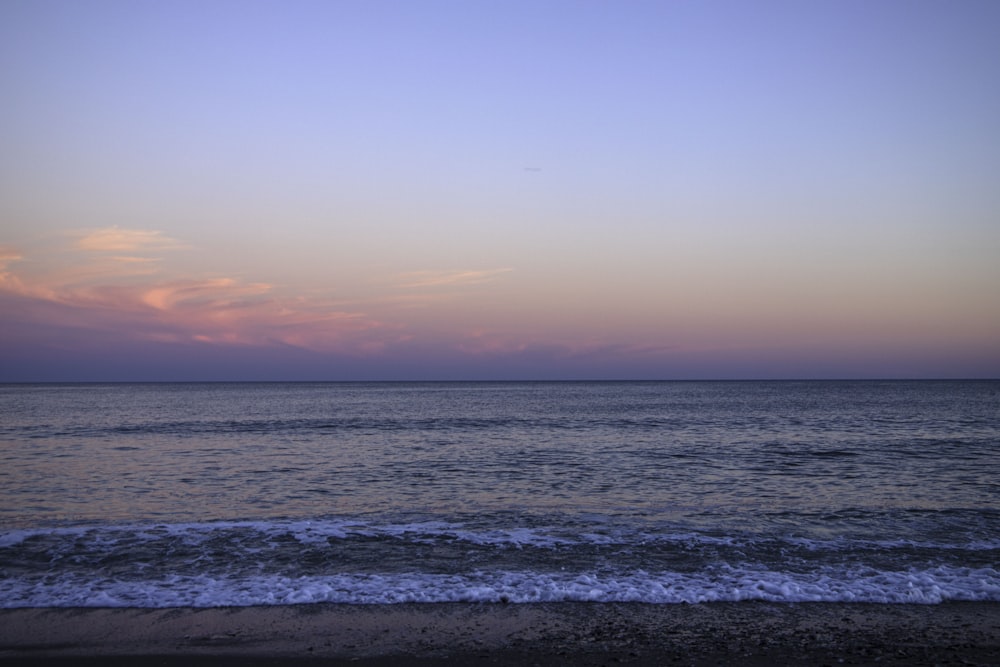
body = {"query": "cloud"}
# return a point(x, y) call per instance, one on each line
point(8, 256)
point(134, 260)
point(10, 281)
point(104, 289)
point(218, 292)
point(223, 311)
point(116, 239)
point(127, 297)
point(416, 279)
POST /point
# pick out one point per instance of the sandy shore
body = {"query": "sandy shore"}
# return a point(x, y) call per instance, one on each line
point(545, 634)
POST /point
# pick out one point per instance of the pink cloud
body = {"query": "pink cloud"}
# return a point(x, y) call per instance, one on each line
point(218, 292)
point(116, 239)
point(8, 280)
point(126, 298)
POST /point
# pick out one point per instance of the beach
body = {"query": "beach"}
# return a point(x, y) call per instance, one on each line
point(589, 523)
point(751, 633)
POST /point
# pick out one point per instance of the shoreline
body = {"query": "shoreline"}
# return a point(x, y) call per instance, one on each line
point(569, 633)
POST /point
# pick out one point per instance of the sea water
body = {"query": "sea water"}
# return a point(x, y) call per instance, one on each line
point(159, 495)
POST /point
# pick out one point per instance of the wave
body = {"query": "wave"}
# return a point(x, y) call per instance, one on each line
point(322, 531)
point(357, 561)
point(725, 584)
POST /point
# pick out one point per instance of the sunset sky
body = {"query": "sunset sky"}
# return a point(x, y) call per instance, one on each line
point(343, 189)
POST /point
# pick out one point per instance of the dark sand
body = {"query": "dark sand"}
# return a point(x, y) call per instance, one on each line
point(748, 633)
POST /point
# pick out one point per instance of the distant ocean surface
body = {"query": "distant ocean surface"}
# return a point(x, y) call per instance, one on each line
point(161, 495)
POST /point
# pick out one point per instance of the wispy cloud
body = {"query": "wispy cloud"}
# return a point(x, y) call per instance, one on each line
point(417, 279)
point(217, 310)
point(8, 280)
point(131, 296)
point(116, 239)
point(217, 292)
point(103, 287)
point(134, 260)
point(8, 256)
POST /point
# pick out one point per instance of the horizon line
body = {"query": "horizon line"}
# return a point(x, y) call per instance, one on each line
point(513, 381)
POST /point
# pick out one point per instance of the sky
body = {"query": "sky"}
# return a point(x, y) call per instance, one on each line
point(432, 190)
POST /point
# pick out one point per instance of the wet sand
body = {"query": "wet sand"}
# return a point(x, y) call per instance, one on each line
point(748, 633)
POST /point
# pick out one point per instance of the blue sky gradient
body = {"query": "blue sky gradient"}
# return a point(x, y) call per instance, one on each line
point(544, 190)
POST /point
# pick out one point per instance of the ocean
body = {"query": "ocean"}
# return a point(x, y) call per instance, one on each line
point(215, 494)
